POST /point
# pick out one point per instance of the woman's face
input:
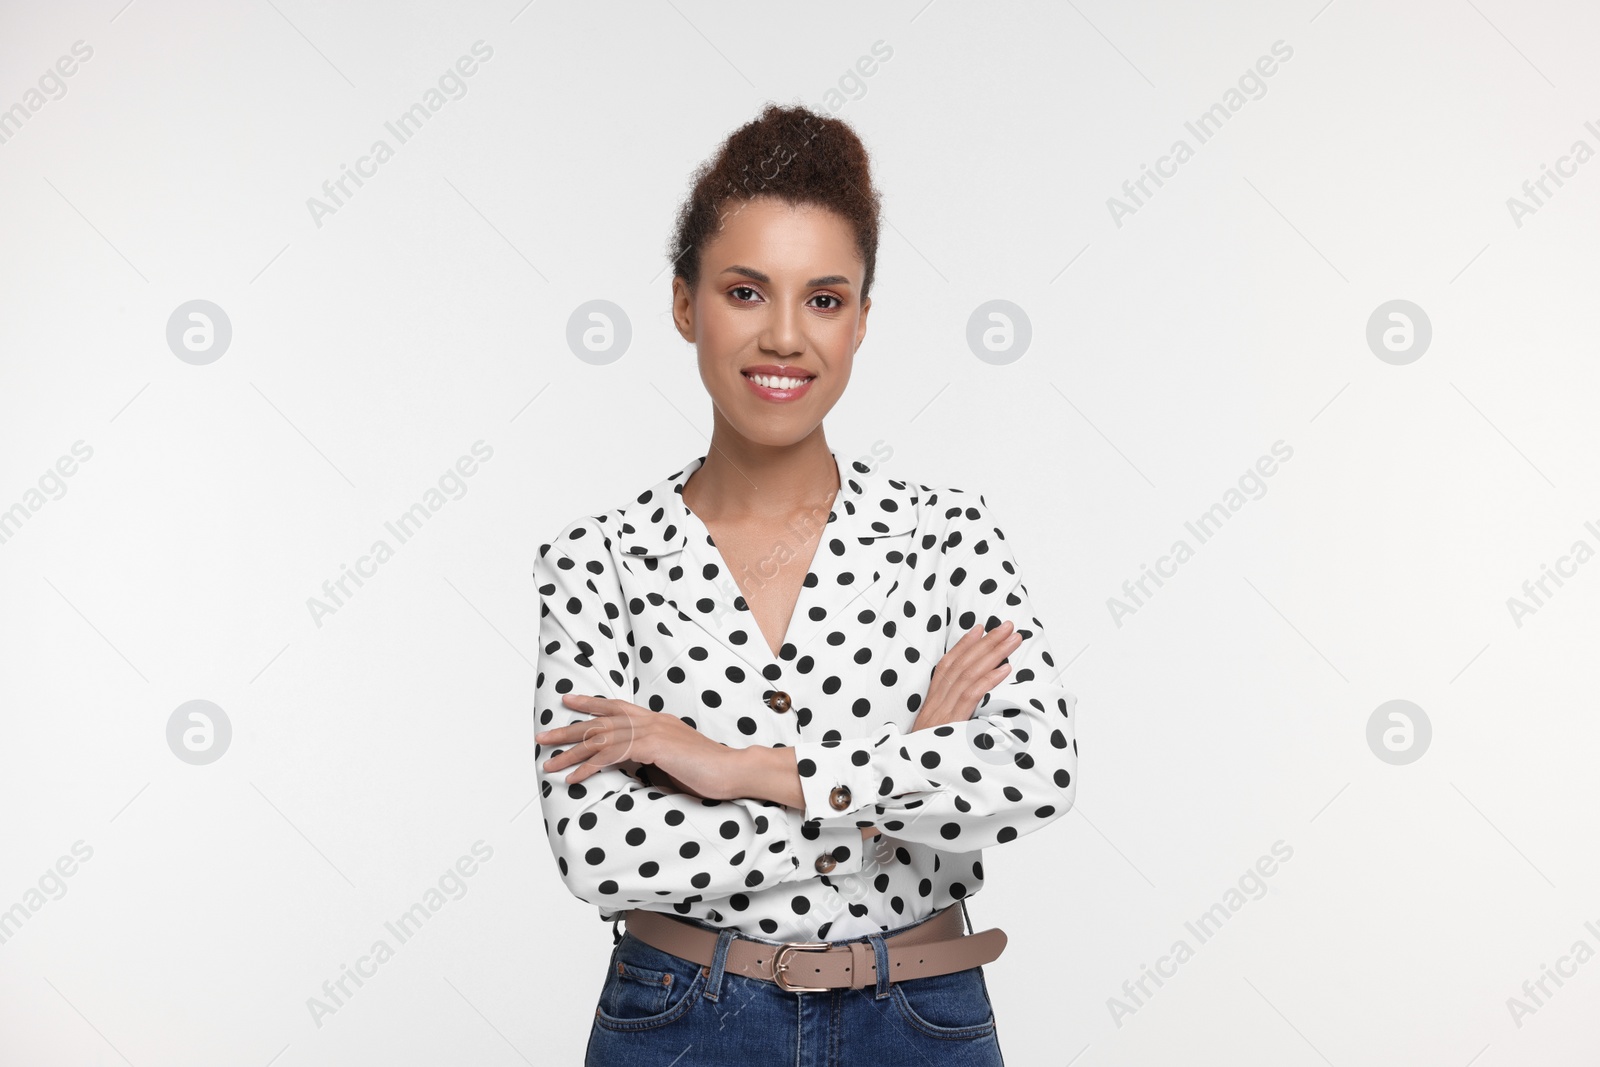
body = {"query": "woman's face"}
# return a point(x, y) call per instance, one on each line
point(779, 295)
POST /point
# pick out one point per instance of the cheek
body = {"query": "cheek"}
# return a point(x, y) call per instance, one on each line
point(719, 331)
point(834, 379)
point(838, 348)
point(838, 379)
point(718, 344)
point(840, 337)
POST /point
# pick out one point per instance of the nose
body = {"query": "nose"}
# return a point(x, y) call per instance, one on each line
point(782, 335)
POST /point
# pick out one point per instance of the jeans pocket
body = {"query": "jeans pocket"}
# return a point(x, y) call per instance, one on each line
point(953, 1006)
point(646, 987)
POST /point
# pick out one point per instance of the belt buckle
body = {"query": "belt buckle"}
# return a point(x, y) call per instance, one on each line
point(780, 963)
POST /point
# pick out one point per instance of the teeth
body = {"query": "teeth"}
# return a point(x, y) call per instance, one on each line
point(773, 382)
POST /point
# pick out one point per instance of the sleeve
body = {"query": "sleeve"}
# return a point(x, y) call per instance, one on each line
point(619, 841)
point(1007, 771)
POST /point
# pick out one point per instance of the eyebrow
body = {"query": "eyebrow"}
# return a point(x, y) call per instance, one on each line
point(755, 275)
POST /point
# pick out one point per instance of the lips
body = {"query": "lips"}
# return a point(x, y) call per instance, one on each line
point(776, 393)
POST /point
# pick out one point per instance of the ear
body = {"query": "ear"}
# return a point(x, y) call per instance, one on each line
point(861, 323)
point(683, 309)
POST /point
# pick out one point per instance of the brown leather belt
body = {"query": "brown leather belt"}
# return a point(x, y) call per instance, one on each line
point(937, 946)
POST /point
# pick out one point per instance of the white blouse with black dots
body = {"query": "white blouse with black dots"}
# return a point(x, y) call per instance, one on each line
point(637, 604)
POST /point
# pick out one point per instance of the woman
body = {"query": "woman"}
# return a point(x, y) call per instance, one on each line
point(786, 700)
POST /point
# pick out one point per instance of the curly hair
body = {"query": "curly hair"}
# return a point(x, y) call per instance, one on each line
point(791, 153)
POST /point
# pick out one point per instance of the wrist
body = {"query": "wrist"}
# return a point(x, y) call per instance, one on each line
point(760, 772)
point(740, 773)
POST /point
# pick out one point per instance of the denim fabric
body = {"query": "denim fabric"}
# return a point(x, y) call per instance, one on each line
point(657, 1009)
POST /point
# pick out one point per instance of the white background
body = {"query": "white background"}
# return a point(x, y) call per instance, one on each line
point(1168, 353)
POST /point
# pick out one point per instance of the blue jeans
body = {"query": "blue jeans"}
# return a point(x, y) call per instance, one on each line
point(658, 1009)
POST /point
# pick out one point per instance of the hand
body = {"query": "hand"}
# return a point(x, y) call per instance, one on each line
point(657, 774)
point(967, 672)
point(620, 732)
point(869, 832)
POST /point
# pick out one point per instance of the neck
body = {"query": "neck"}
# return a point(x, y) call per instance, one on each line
point(742, 480)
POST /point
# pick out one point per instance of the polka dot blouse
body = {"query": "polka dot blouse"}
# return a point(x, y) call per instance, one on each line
point(638, 604)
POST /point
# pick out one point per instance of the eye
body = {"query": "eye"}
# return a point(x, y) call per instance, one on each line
point(837, 303)
point(736, 290)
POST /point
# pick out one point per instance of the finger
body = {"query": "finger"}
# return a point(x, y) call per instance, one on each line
point(589, 705)
point(600, 746)
point(1002, 632)
point(981, 684)
point(585, 702)
point(589, 740)
point(1009, 644)
point(589, 768)
point(608, 738)
point(963, 643)
point(613, 735)
point(995, 647)
point(996, 676)
point(977, 649)
point(565, 758)
point(594, 733)
point(965, 672)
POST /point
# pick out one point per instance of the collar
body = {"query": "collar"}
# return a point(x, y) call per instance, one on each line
point(868, 505)
point(869, 510)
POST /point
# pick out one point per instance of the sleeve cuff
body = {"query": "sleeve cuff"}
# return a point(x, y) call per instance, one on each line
point(836, 777)
point(817, 849)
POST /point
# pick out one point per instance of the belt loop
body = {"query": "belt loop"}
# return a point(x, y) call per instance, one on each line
point(719, 961)
point(881, 951)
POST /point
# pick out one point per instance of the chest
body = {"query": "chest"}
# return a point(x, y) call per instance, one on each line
point(768, 565)
point(862, 628)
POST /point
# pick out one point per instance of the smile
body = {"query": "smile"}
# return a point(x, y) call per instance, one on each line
point(773, 381)
point(779, 388)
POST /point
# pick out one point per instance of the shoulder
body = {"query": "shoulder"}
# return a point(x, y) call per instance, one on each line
point(584, 543)
point(956, 517)
point(889, 504)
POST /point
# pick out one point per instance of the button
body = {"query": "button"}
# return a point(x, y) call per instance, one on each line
point(839, 797)
point(778, 701)
point(826, 863)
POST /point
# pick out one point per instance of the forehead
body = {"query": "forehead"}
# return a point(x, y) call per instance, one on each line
point(782, 238)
